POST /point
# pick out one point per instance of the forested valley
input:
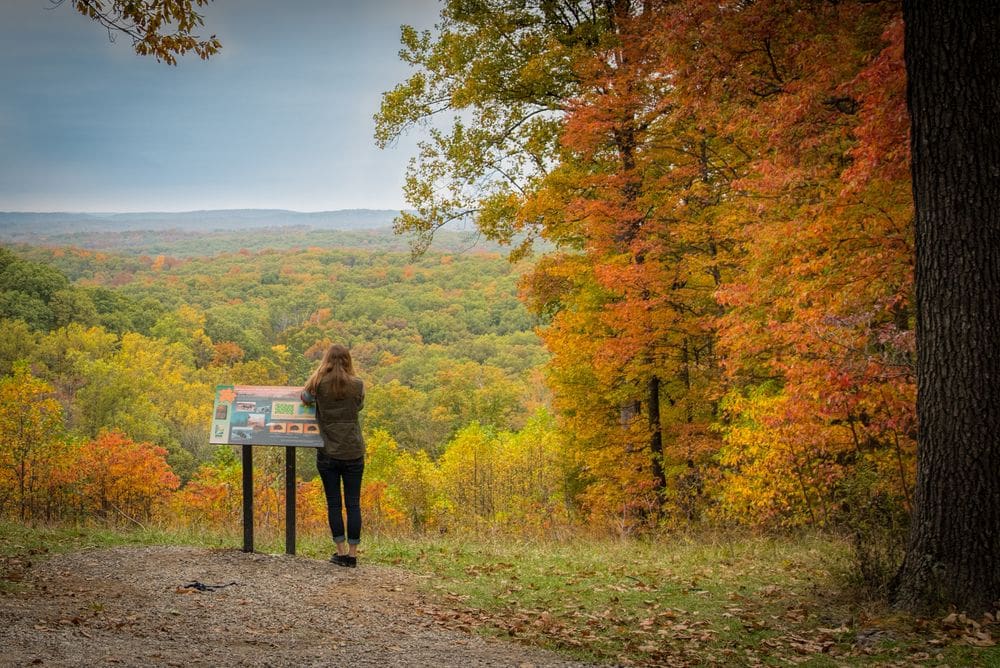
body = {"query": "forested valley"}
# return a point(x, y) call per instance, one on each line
point(111, 360)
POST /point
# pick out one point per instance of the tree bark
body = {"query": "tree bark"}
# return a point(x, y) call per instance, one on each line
point(656, 436)
point(953, 68)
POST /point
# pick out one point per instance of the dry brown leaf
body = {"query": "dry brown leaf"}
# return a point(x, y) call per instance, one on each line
point(980, 639)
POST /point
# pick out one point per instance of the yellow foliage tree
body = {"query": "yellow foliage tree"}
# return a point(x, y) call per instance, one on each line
point(30, 439)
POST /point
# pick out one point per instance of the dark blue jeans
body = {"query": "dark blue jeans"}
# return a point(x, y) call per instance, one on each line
point(332, 471)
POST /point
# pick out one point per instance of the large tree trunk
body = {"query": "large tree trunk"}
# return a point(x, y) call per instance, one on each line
point(953, 65)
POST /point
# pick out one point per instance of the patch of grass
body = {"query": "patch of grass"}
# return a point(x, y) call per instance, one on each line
point(699, 600)
point(631, 602)
point(20, 545)
point(16, 539)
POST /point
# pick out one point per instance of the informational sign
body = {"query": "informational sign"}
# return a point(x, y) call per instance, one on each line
point(263, 415)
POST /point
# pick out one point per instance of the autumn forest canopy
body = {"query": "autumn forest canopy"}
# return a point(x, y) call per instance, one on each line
point(724, 311)
point(729, 306)
point(706, 315)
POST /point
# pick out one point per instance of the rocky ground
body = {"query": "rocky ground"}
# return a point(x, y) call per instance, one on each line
point(136, 607)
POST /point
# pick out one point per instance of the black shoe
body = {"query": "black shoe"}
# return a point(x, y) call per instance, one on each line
point(344, 560)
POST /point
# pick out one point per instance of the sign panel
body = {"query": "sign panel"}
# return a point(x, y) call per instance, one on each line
point(263, 415)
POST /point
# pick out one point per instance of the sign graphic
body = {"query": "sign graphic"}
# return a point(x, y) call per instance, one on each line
point(263, 415)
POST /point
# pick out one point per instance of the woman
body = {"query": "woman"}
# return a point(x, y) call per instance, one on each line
point(338, 395)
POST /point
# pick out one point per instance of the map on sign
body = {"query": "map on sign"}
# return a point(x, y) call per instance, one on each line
point(263, 415)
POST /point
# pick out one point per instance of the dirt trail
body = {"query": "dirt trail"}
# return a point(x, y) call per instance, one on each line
point(130, 606)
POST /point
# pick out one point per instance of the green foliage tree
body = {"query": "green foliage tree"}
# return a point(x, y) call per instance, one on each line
point(18, 342)
point(408, 414)
point(27, 288)
point(72, 305)
point(490, 89)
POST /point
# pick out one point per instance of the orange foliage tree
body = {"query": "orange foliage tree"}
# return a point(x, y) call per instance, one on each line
point(729, 305)
point(816, 335)
point(119, 476)
point(641, 186)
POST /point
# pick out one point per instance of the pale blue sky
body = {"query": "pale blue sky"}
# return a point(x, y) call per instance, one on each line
point(282, 118)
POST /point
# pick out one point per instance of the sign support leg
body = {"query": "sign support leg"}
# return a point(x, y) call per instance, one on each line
point(247, 497)
point(290, 500)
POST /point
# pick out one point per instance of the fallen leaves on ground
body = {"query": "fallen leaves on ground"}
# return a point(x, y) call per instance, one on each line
point(748, 631)
point(975, 633)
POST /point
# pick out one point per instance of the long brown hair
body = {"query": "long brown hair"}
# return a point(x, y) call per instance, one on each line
point(336, 369)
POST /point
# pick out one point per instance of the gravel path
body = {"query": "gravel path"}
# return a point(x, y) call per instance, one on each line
point(130, 606)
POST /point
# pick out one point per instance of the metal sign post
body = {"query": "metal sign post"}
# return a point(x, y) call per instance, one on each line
point(248, 415)
point(290, 500)
point(248, 498)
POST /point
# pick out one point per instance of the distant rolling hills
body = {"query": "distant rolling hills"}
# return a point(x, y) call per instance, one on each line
point(17, 225)
point(199, 233)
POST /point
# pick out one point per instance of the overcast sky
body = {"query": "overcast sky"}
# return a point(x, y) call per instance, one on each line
point(281, 118)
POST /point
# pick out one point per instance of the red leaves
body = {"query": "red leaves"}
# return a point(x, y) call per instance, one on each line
point(120, 477)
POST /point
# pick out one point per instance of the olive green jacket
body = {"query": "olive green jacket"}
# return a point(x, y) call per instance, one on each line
point(338, 421)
